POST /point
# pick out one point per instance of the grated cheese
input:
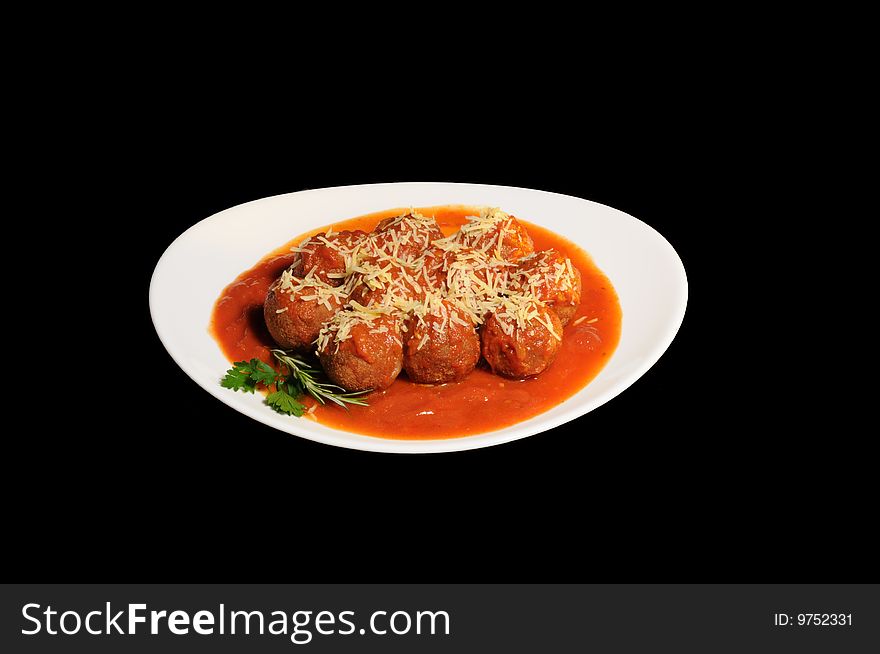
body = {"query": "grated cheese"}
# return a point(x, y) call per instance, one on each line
point(406, 269)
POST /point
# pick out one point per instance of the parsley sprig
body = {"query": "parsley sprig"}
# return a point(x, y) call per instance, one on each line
point(245, 375)
point(300, 378)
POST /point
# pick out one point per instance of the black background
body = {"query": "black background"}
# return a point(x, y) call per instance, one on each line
point(698, 472)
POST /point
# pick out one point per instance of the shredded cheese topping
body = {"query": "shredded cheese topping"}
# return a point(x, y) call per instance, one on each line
point(405, 268)
point(549, 276)
point(491, 231)
point(309, 288)
point(519, 310)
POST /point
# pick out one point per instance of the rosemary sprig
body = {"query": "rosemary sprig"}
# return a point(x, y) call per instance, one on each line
point(300, 378)
point(308, 378)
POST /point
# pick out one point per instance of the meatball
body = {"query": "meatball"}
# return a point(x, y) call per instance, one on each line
point(361, 351)
point(472, 278)
point(435, 262)
point(454, 267)
point(386, 282)
point(440, 346)
point(496, 233)
point(295, 310)
point(328, 254)
point(550, 276)
point(485, 275)
point(521, 338)
point(405, 237)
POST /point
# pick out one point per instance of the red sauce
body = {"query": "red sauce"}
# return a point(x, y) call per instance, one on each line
point(482, 402)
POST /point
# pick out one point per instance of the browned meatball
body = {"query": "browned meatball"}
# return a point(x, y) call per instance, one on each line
point(521, 338)
point(385, 282)
point(551, 277)
point(360, 354)
point(457, 268)
point(295, 310)
point(328, 255)
point(405, 237)
point(474, 280)
point(441, 346)
point(496, 233)
point(435, 263)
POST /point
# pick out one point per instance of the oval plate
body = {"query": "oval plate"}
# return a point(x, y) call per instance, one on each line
point(643, 267)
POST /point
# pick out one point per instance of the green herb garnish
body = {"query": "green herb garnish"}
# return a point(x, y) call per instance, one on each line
point(299, 379)
point(308, 379)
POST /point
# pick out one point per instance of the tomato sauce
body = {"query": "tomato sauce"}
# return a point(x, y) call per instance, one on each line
point(482, 402)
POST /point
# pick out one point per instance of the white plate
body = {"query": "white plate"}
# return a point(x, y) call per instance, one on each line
point(643, 267)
